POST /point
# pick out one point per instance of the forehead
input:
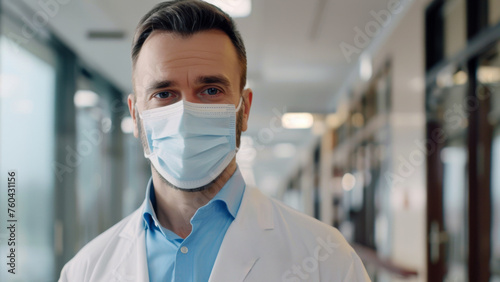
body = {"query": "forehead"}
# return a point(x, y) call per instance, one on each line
point(167, 55)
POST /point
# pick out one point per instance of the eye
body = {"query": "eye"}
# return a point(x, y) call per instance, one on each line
point(163, 95)
point(211, 91)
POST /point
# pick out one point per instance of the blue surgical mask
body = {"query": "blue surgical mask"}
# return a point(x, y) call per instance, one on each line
point(190, 144)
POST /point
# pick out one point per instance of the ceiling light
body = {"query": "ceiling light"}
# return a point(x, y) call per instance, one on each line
point(127, 125)
point(460, 78)
point(297, 120)
point(234, 8)
point(488, 74)
point(348, 182)
point(85, 98)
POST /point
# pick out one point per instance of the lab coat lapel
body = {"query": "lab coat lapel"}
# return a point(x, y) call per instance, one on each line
point(240, 250)
point(133, 266)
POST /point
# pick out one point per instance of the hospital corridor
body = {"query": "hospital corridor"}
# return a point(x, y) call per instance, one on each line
point(250, 140)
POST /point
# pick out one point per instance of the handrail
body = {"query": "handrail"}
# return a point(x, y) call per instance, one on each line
point(370, 256)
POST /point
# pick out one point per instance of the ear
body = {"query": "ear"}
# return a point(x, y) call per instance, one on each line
point(132, 109)
point(247, 100)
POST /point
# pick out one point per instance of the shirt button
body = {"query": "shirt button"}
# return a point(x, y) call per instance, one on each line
point(184, 249)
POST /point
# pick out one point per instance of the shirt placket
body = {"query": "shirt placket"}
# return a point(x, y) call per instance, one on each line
point(184, 263)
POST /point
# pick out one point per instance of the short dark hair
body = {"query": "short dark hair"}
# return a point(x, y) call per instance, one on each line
point(187, 17)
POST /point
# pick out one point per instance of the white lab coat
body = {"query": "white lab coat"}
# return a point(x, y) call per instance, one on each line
point(267, 241)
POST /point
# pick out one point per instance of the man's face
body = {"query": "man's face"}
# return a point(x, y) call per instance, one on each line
point(170, 68)
point(201, 68)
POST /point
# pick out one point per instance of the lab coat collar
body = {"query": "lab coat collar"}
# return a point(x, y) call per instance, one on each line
point(237, 254)
point(133, 264)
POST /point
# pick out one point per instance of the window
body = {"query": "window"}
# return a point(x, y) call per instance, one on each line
point(27, 135)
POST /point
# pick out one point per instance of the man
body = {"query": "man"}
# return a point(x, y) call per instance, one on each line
point(199, 222)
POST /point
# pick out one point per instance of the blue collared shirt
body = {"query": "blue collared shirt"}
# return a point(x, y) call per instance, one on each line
point(171, 258)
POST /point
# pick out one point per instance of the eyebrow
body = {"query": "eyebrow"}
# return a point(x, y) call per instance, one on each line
point(214, 79)
point(206, 79)
point(159, 85)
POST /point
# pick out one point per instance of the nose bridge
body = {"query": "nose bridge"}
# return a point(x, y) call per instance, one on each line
point(188, 88)
point(189, 95)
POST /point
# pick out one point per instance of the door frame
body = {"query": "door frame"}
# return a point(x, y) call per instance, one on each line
point(479, 141)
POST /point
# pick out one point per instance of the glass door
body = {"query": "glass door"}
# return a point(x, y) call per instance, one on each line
point(454, 158)
point(454, 188)
point(98, 198)
point(463, 176)
point(447, 177)
point(489, 92)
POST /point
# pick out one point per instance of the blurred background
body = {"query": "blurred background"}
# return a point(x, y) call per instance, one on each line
point(379, 117)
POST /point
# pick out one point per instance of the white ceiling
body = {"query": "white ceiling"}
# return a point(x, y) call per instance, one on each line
point(294, 58)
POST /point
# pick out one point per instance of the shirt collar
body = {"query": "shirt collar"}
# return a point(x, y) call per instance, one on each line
point(149, 212)
point(230, 195)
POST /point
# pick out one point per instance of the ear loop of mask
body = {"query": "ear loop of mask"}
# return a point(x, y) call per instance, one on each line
point(237, 110)
point(147, 153)
point(239, 105)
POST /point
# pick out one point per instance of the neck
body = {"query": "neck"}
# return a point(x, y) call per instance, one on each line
point(175, 208)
